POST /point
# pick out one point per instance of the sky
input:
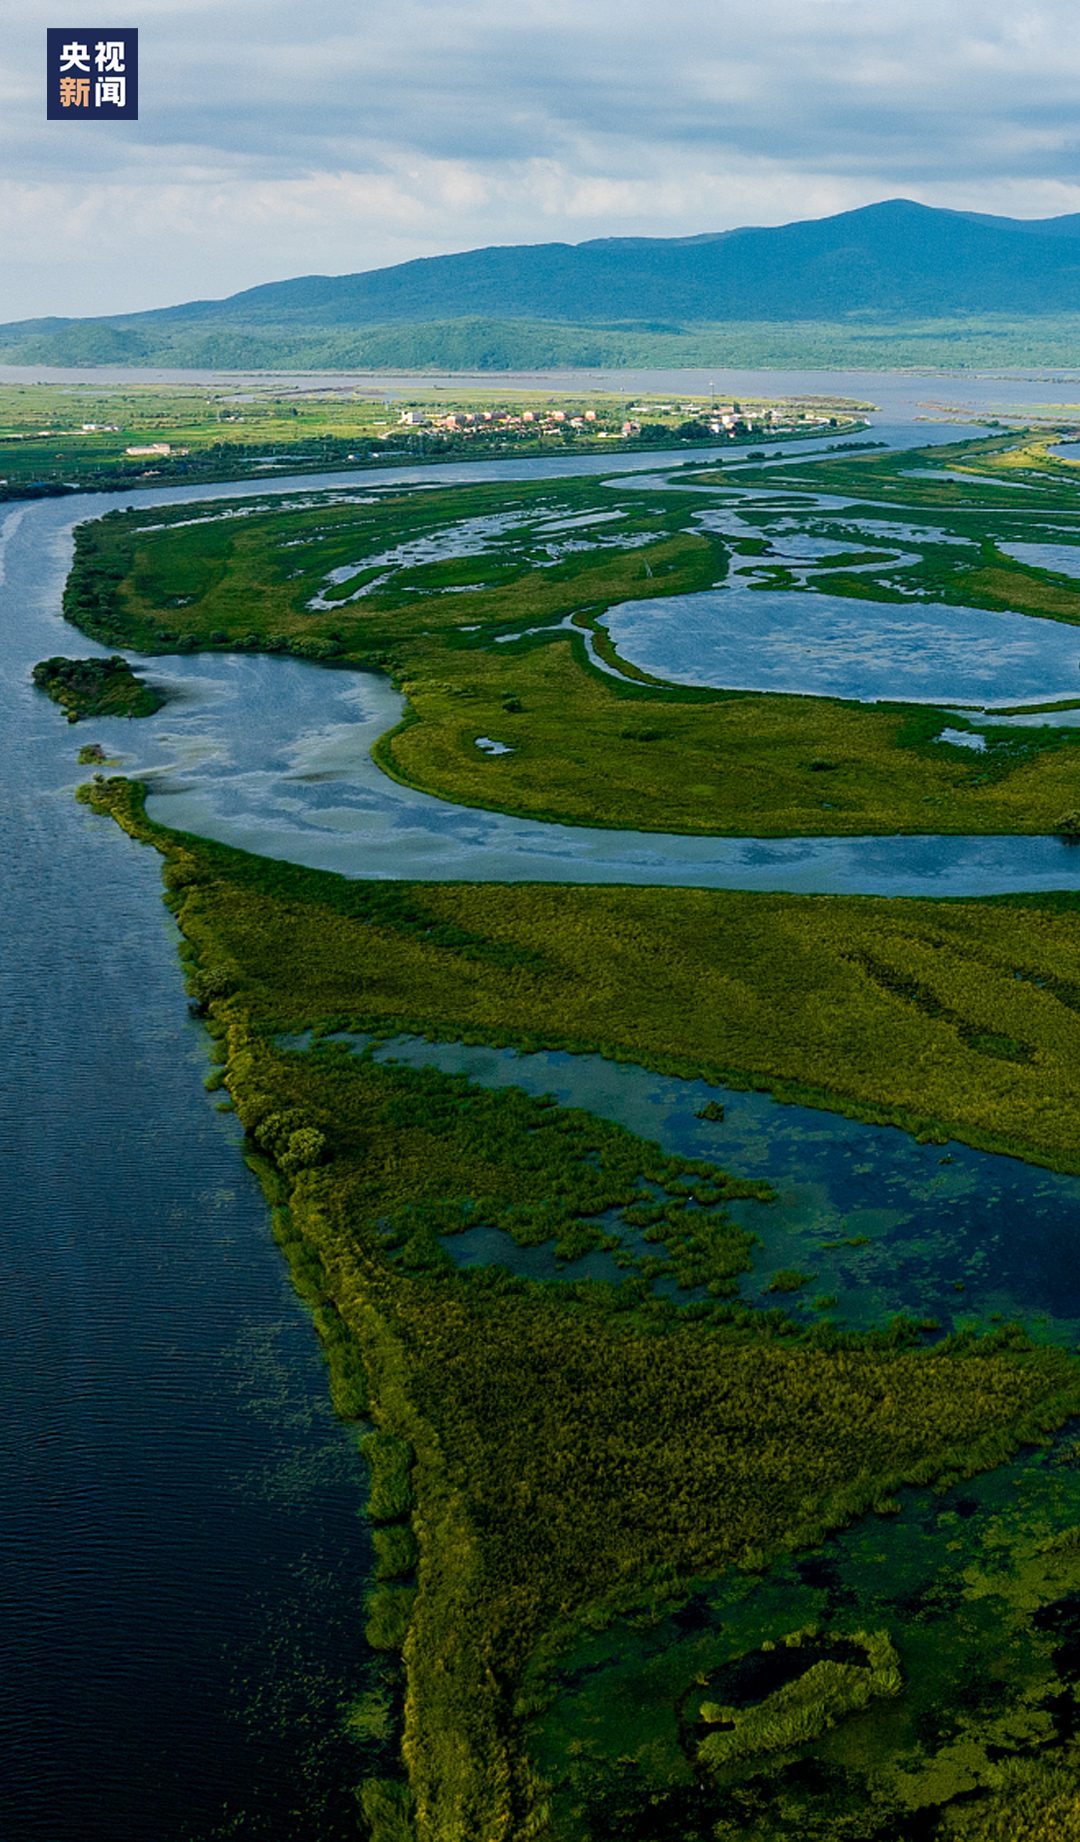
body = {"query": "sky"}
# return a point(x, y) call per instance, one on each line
point(279, 139)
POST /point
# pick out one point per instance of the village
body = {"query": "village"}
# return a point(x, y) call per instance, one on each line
point(639, 421)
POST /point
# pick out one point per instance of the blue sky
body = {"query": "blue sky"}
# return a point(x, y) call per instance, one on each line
point(284, 139)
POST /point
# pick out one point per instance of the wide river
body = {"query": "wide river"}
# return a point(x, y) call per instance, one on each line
point(185, 1560)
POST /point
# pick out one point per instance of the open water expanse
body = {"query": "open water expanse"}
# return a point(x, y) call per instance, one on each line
point(743, 638)
point(184, 1557)
point(183, 1554)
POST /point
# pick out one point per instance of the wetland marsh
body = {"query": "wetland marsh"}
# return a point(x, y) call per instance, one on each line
point(492, 601)
point(606, 1496)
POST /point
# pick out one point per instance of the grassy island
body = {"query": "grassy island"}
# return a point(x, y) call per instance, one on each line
point(96, 687)
point(669, 1555)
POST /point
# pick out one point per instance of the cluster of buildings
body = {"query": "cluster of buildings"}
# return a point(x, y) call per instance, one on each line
point(729, 420)
point(484, 421)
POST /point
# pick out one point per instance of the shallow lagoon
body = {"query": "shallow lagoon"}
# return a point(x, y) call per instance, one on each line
point(940, 1230)
point(751, 639)
point(1064, 558)
point(116, 1704)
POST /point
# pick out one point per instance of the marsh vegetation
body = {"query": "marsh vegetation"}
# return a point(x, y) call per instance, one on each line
point(483, 604)
point(96, 687)
point(601, 1507)
point(568, 1455)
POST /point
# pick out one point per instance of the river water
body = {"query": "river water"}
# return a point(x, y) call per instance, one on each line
point(184, 1557)
point(272, 754)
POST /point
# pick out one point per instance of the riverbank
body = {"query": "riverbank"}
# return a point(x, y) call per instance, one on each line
point(467, 599)
point(548, 1428)
point(144, 430)
point(448, 1360)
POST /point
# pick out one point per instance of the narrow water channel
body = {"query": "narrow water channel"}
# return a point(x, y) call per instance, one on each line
point(184, 1554)
point(272, 755)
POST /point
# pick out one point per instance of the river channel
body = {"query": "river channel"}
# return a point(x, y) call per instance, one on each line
point(185, 1557)
point(184, 1552)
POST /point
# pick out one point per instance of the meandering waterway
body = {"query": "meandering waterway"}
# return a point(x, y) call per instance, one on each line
point(184, 1559)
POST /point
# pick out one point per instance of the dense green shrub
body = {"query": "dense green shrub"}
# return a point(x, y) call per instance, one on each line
point(390, 1463)
point(387, 1807)
point(389, 1609)
point(395, 1551)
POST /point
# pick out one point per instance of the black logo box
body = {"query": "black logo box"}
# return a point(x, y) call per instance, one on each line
point(92, 73)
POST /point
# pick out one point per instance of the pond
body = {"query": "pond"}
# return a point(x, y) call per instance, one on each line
point(186, 1561)
point(755, 639)
point(1064, 558)
point(878, 1223)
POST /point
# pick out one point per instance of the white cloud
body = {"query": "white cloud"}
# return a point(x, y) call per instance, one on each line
point(279, 140)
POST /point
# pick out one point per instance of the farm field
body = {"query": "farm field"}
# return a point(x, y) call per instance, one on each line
point(99, 437)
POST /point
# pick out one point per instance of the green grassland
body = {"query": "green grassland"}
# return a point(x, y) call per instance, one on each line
point(565, 1453)
point(445, 589)
point(561, 1464)
point(46, 444)
point(213, 433)
point(954, 1018)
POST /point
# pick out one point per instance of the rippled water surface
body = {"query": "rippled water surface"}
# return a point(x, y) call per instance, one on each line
point(823, 645)
point(1064, 558)
point(184, 1561)
point(183, 1556)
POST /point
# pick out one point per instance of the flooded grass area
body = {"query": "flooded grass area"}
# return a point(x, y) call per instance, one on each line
point(875, 1224)
point(758, 1517)
point(978, 1586)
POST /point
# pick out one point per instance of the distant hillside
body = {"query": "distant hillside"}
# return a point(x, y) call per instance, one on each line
point(924, 275)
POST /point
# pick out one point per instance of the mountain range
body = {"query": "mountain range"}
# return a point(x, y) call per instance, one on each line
point(884, 276)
